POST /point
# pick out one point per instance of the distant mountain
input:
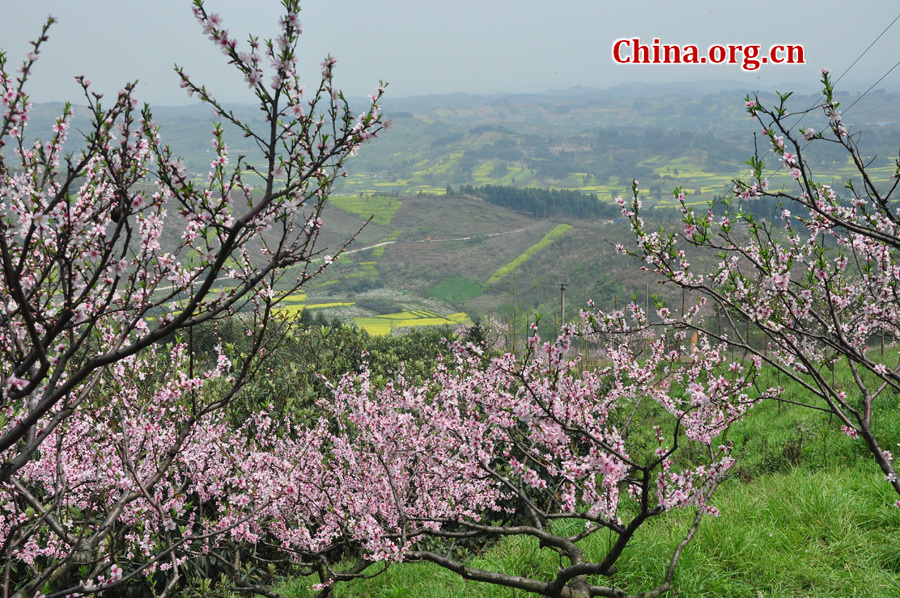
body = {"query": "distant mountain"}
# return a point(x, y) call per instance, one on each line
point(585, 139)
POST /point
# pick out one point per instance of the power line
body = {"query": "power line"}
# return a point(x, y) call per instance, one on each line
point(847, 70)
point(873, 85)
point(867, 50)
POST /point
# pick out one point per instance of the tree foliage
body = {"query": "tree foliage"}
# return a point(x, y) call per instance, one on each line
point(543, 203)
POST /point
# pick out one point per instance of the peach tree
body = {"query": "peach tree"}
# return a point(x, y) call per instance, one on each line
point(110, 256)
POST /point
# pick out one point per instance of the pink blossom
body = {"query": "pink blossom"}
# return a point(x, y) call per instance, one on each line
point(781, 281)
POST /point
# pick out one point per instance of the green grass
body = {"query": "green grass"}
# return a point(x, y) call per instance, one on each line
point(545, 242)
point(794, 534)
point(797, 534)
point(456, 290)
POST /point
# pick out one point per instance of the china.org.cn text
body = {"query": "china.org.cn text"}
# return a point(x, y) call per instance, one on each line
point(749, 56)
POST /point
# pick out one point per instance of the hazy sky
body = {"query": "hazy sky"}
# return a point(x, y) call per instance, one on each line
point(422, 47)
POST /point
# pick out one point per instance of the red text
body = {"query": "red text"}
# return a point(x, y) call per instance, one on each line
point(749, 56)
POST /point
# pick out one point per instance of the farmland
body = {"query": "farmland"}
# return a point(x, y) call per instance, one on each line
point(449, 252)
point(387, 323)
point(380, 208)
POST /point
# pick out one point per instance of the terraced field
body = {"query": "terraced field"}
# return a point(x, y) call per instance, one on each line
point(294, 309)
point(448, 253)
point(380, 208)
point(385, 324)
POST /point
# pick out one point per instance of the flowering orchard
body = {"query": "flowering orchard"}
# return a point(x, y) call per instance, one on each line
point(819, 283)
point(109, 432)
point(485, 449)
point(528, 446)
point(120, 467)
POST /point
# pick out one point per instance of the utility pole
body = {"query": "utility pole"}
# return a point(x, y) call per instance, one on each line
point(562, 305)
point(647, 317)
point(647, 303)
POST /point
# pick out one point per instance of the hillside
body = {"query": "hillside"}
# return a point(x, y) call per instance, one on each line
point(438, 251)
point(459, 253)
